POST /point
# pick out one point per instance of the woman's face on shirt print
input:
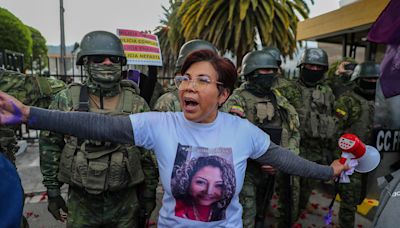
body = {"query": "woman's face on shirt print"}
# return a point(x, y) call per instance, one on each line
point(206, 186)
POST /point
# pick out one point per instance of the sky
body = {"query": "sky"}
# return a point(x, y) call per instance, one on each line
point(83, 16)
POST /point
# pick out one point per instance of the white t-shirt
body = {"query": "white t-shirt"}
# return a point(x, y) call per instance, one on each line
point(181, 146)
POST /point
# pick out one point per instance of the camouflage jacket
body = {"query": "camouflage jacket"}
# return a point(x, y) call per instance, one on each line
point(241, 101)
point(318, 124)
point(52, 144)
point(157, 93)
point(168, 102)
point(355, 115)
point(31, 90)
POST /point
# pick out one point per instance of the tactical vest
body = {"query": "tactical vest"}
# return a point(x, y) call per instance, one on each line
point(275, 117)
point(363, 126)
point(316, 113)
point(100, 166)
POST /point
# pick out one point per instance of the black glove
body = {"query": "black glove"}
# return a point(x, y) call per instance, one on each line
point(55, 204)
point(149, 205)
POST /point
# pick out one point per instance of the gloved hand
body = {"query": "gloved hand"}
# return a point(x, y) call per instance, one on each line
point(55, 204)
point(149, 205)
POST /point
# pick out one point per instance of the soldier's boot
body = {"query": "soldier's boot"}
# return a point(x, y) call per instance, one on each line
point(259, 223)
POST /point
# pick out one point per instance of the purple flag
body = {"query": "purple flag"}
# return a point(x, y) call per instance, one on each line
point(390, 68)
point(386, 29)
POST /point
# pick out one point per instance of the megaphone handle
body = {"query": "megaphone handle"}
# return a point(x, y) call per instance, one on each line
point(342, 160)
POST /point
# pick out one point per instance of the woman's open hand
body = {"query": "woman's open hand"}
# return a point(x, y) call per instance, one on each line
point(12, 111)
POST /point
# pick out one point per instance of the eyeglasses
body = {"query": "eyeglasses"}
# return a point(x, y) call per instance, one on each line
point(200, 82)
point(101, 58)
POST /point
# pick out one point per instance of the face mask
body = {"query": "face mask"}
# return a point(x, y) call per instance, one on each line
point(311, 77)
point(366, 89)
point(104, 73)
point(260, 84)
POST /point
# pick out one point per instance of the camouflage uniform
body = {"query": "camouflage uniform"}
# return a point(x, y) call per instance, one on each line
point(157, 93)
point(314, 102)
point(105, 179)
point(272, 113)
point(168, 102)
point(31, 90)
point(317, 128)
point(255, 186)
point(356, 115)
point(139, 165)
point(339, 83)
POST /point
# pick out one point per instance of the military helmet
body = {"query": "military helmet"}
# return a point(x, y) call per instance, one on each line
point(257, 60)
point(191, 46)
point(100, 43)
point(275, 53)
point(315, 56)
point(367, 69)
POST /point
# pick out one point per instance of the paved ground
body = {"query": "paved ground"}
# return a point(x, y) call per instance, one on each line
point(38, 217)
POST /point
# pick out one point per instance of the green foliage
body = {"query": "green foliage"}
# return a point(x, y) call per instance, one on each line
point(170, 36)
point(39, 49)
point(14, 35)
point(235, 25)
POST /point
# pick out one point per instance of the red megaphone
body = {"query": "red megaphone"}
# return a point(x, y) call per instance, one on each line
point(353, 148)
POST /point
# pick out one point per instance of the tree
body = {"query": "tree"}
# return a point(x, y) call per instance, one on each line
point(14, 35)
point(39, 49)
point(170, 36)
point(235, 25)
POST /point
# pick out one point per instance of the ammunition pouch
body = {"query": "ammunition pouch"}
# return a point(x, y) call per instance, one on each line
point(318, 121)
point(101, 168)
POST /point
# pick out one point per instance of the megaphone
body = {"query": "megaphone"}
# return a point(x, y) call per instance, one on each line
point(352, 147)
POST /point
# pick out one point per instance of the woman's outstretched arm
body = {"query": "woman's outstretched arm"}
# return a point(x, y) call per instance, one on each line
point(79, 124)
point(284, 160)
point(85, 125)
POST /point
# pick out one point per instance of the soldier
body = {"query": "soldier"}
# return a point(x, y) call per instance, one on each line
point(271, 112)
point(355, 110)
point(339, 75)
point(32, 90)
point(313, 101)
point(105, 179)
point(169, 101)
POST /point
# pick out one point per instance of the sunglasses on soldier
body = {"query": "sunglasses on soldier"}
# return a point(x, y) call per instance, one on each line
point(101, 58)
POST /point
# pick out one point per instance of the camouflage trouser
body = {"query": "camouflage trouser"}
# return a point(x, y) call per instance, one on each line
point(111, 209)
point(350, 194)
point(288, 204)
point(247, 199)
point(252, 197)
point(8, 143)
point(316, 151)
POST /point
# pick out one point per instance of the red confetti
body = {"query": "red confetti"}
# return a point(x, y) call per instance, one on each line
point(315, 205)
point(324, 208)
point(359, 225)
point(43, 196)
point(297, 225)
point(29, 214)
point(274, 206)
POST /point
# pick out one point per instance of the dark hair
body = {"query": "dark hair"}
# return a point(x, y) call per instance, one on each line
point(225, 68)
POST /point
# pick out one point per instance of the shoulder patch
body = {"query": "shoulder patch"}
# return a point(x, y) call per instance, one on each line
point(237, 110)
point(340, 112)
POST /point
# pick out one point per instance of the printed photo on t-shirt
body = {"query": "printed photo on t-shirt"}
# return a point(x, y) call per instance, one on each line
point(203, 182)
